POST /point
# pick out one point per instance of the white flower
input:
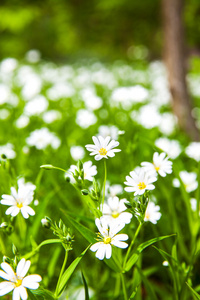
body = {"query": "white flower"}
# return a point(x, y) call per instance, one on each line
point(89, 170)
point(22, 121)
point(171, 147)
point(114, 211)
point(41, 138)
point(160, 165)
point(139, 181)
point(85, 118)
point(103, 148)
point(189, 181)
point(193, 151)
point(77, 152)
point(16, 281)
point(51, 116)
point(8, 150)
point(108, 237)
point(152, 213)
point(19, 201)
point(193, 203)
point(36, 106)
point(113, 190)
point(112, 131)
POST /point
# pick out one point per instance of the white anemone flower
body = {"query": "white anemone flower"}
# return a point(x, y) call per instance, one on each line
point(89, 170)
point(152, 213)
point(114, 211)
point(16, 281)
point(160, 165)
point(139, 181)
point(193, 151)
point(189, 180)
point(103, 148)
point(108, 237)
point(19, 201)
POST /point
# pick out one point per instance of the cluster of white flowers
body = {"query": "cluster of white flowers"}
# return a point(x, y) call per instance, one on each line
point(42, 138)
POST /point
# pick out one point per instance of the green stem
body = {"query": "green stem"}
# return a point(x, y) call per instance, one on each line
point(61, 273)
point(132, 243)
point(124, 287)
point(104, 183)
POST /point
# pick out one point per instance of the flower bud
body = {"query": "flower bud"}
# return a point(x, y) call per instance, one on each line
point(46, 222)
point(85, 192)
point(47, 167)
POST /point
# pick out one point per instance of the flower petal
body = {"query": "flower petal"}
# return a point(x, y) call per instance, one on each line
point(6, 287)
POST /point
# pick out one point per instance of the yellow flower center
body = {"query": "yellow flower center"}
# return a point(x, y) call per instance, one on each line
point(115, 214)
point(18, 282)
point(19, 205)
point(141, 185)
point(102, 151)
point(107, 240)
point(147, 215)
point(156, 168)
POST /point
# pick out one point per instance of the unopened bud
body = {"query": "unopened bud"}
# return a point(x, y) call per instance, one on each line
point(47, 167)
point(14, 249)
point(85, 192)
point(4, 225)
point(7, 259)
point(3, 156)
point(46, 222)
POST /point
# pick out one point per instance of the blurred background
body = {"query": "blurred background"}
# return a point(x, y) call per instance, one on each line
point(64, 30)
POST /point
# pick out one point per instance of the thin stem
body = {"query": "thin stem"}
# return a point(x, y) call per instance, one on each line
point(104, 183)
point(61, 273)
point(132, 243)
point(124, 287)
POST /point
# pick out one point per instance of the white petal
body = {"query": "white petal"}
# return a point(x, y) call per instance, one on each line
point(13, 211)
point(31, 281)
point(8, 269)
point(108, 251)
point(16, 294)
point(8, 201)
point(120, 244)
point(23, 293)
point(6, 287)
point(96, 246)
point(101, 252)
point(98, 157)
point(23, 267)
point(96, 142)
point(130, 189)
point(111, 153)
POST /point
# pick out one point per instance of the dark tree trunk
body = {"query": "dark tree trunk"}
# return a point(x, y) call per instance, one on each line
point(174, 55)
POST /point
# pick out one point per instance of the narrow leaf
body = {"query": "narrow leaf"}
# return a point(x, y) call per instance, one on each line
point(132, 260)
point(85, 287)
point(148, 286)
point(67, 274)
point(85, 232)
point(193, 291)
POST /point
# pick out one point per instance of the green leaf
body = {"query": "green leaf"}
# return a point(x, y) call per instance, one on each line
point(193, 291)
point(148, 286)
point(132, 260)
point(67, 274)
point(85, 286)
point(85, 232)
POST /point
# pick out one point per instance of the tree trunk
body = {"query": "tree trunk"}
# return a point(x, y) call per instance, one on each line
point(174, 56)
